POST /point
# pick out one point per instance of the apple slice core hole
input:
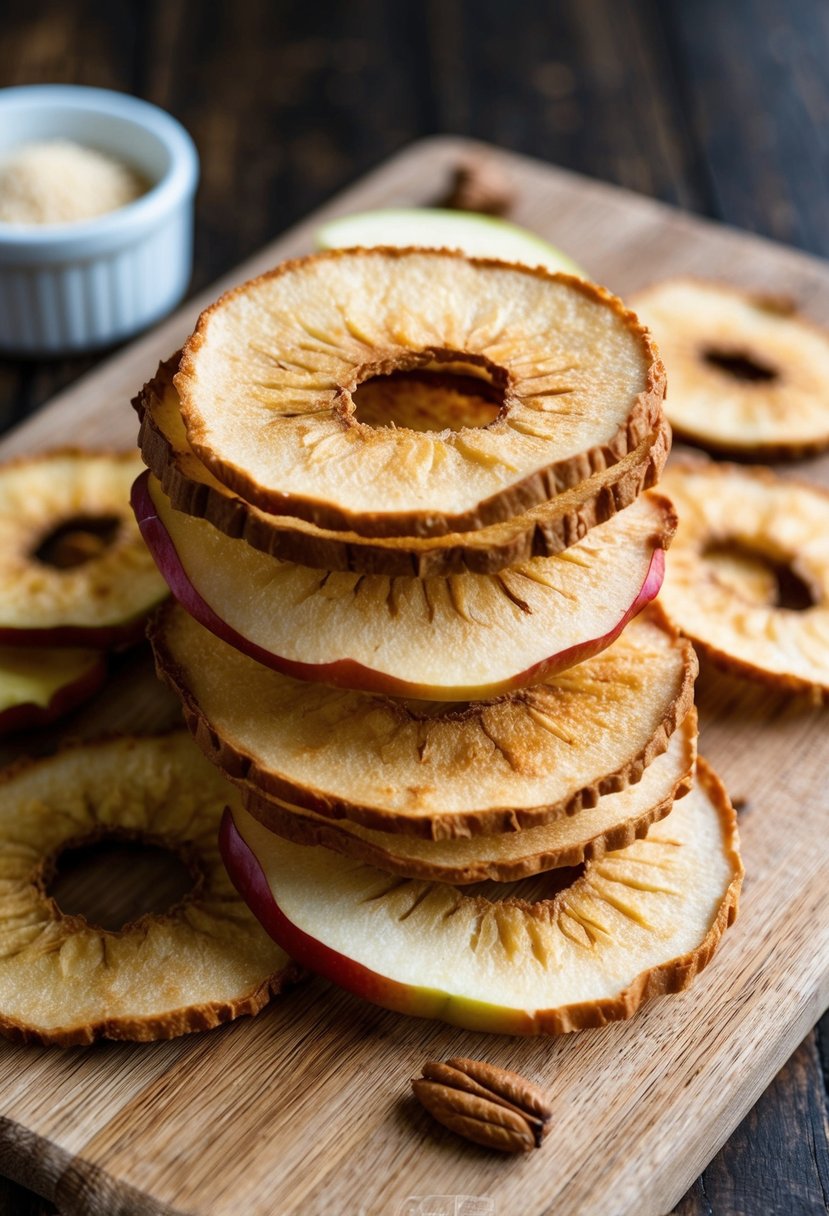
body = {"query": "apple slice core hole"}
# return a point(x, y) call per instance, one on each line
point(77, 541)
point(758, 577)
point(438, 391)
point(740, 365)
point(114, 880)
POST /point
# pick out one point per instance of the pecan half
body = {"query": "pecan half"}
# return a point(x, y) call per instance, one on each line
point(479, 185)
point(489, 1105)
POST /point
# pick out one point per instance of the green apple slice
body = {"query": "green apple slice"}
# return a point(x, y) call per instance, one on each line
point(480, 236)
point(639, 922)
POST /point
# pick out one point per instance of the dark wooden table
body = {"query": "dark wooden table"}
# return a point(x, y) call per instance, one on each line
point(722, 108)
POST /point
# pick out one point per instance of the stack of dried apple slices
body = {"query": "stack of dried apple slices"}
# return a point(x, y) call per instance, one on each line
point(398, 495)
point(76, 580)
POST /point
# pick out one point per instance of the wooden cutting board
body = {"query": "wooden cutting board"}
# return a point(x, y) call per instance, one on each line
point(305, 1109)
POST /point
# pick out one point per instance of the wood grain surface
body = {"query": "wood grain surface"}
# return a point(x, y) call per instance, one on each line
point(305, 1109)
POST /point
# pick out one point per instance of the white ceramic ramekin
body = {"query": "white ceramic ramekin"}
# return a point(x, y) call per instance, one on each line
point(76, 287)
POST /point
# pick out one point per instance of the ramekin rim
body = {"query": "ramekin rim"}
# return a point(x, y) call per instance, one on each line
point(177, 183)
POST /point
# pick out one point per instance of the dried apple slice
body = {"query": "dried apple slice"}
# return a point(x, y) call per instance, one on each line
point(467, 636)
point(65, 981)
point(615, 822)
point(749, 572)
point(430, 768)
point(748, 376)
point(636, 924)
point(540, 532)
point(74, 570)
point(40, 684)
point(270, 380)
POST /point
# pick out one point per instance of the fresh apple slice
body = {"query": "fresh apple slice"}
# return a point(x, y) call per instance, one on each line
point(749, 577)
point(468, 636)
point(427, 768)
point(74, 570)
point(615, 822)
point(540, 532)
point(638, 923)
point(38, 685)
point(480, 236)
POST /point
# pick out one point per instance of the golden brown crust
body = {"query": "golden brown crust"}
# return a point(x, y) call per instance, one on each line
point(334, 834)
point(785, 683)
point(241, 765)
point(189, 1020)
point(541, 532)
point(781, 682)
point(560, 474)
point(47, 918)
point(300, 827)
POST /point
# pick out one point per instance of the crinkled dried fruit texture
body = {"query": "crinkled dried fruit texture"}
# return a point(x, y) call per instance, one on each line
point(266, 385)
point(540, 532)
point(67, 982)
point(41, 683)
point(73, 567)
point(748, 376)
point(433, 769)
point(467, 636)
point(742, 530)
point(636, 924)
point(615, 822)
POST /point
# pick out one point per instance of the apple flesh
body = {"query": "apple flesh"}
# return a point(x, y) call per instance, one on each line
point(39, 686)
point(465, 637)
point(250, 880)
point(438, 228)
point(517, 761)
point(640, 922)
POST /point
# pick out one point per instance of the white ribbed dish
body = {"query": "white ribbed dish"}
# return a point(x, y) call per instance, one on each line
point(74, 287)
